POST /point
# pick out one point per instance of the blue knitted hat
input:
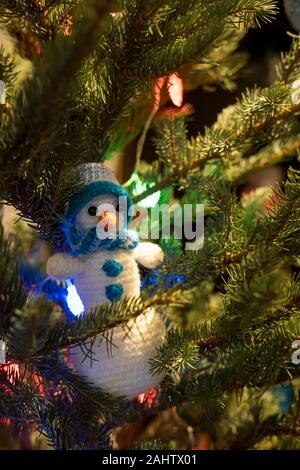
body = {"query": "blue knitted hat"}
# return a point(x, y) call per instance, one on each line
point(94, 180)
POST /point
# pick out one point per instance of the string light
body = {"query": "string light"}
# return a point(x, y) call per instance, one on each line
point(74, 302)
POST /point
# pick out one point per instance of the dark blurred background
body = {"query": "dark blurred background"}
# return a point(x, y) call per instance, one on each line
point(263, 46)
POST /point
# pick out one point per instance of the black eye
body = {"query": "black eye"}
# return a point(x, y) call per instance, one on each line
point(92, 210)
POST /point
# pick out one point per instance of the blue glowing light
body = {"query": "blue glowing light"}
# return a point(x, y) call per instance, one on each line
point(66, 294)
point(73, 300)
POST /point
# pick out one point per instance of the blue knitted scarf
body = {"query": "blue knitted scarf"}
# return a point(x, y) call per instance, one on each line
point(85, 243)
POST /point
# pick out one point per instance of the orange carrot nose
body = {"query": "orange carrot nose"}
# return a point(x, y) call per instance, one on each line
point(107, 219)
point(103, 216)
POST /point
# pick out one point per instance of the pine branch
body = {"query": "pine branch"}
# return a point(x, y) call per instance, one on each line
point(12, 295)
point(50, 83)
point(7, 72)
point(20, 400)
point(38, 330)
point(42, 20)
point(256, 119)
point(238, 368)
point(288, 67)
point(276, 152)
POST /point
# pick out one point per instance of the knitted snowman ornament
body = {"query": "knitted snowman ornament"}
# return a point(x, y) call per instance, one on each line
point(104, 263)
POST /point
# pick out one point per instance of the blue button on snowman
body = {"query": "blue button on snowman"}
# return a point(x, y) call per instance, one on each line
point(112, 268)
point(103, 257)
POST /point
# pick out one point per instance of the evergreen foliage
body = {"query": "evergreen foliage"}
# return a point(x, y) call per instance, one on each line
point(86, 93)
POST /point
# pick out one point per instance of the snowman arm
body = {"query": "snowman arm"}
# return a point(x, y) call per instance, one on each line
point(148, 254)
point(62, 266)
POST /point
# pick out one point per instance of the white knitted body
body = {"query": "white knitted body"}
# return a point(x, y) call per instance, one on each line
point(92, 281)
point(121, 366)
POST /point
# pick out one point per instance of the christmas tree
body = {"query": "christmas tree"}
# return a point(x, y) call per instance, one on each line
point(103, 82)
